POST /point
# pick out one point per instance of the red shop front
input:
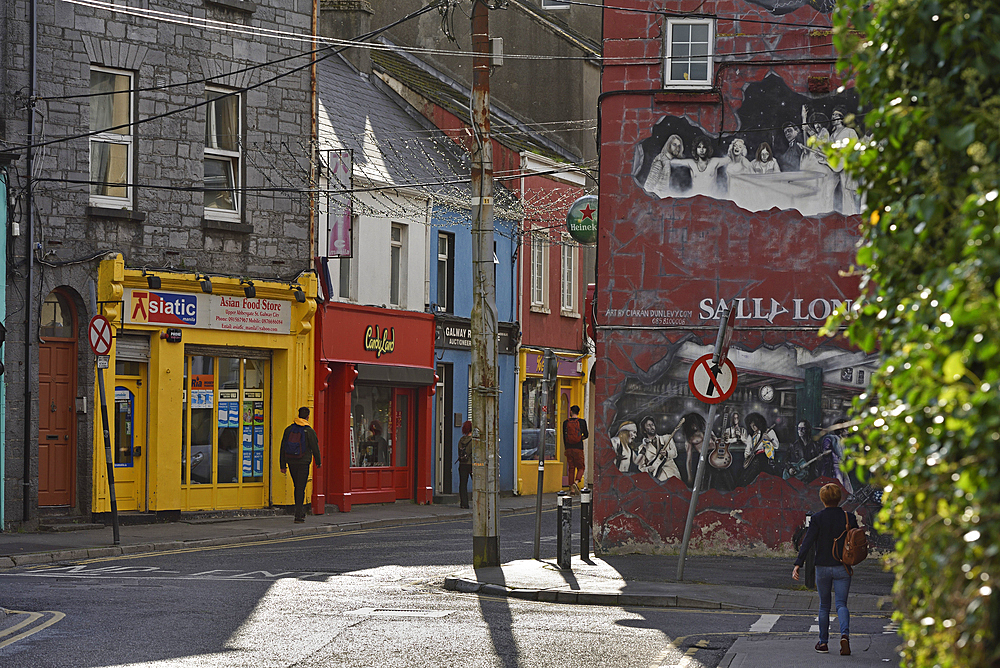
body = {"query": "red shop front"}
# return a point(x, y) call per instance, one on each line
point(374, 387)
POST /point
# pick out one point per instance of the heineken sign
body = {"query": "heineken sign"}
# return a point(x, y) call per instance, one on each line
point(582, 219)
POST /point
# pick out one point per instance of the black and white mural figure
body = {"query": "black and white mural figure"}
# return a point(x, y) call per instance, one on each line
point(656, 452)
point(625, 456)
point(785, 419)
point(775, 160)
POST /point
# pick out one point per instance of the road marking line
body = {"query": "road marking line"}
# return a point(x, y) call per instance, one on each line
point(34, 616)
point(765, 623)
point(379, 612)
point(814, 628)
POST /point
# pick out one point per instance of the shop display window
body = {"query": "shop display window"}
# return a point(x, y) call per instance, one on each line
point(224, 404)
point(531, 420)
point(372, 419)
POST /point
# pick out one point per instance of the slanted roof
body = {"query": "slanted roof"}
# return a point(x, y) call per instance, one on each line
point(393, 147)
point(390, 146)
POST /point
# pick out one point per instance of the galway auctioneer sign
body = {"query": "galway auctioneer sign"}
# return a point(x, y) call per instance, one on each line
point(183, 309)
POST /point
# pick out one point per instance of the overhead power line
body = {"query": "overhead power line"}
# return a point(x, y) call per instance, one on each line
point(236, 91)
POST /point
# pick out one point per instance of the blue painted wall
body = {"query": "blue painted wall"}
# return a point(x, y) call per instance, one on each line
point(459, 224)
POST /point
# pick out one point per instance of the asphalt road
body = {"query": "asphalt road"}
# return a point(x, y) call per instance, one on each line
point(364, 598)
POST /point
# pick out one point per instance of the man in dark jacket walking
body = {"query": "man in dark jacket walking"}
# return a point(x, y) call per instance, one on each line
point(299, 444)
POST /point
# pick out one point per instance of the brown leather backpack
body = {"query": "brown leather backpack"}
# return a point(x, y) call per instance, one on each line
point(854, 548)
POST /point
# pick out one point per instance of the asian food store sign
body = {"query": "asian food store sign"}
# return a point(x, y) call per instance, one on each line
point(178, 309)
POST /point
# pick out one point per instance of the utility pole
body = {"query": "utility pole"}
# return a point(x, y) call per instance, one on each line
point(485, 392)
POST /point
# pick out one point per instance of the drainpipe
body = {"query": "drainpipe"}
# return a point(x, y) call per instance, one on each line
point(29, 310)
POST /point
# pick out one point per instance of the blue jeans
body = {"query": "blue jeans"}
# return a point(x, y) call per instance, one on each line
point(836, 578)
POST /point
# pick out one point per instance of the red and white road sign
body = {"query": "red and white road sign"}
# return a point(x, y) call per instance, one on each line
point(100, 335)
point(709, 387)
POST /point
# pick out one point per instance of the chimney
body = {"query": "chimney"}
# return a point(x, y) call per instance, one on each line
point(348, 19)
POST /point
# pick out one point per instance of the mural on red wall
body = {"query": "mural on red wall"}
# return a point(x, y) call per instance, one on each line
point(785, 419)
point(767, 163)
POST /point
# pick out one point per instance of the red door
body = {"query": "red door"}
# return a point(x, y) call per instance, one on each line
point(403, 442)
point(56, 423)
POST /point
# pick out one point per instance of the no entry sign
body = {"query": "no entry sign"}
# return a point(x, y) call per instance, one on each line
point(711, 386)
point(100, 335)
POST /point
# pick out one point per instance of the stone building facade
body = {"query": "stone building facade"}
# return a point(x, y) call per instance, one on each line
point(170, 163)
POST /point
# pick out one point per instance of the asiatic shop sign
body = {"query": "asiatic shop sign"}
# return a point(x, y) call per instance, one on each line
point(244, 314)
point(380, 343)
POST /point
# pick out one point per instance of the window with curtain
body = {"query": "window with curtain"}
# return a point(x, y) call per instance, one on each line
point(222, 154)
point(111, 145)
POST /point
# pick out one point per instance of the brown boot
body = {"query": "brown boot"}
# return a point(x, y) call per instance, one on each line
point(845, 646)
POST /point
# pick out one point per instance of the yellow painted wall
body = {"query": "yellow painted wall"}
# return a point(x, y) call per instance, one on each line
point(291, 386)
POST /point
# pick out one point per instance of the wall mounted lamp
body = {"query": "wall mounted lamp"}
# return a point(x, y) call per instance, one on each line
point(206, 284)
point(249, 290)
point(152, 280)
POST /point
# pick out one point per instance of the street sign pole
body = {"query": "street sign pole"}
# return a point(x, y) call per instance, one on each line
point(100, 336)
point(721, 343)
point(108, 456)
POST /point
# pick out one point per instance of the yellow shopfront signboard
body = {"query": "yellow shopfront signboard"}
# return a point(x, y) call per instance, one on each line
point(207, 382)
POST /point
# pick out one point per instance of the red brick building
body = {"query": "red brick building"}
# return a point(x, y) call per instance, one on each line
point(712, 195)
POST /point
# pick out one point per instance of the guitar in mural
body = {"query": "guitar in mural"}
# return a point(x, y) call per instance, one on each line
point(800, 469)
point(719, 456)
point(767, 436)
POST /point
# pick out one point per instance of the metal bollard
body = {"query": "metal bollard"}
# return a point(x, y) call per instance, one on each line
point(586, 517)
point(564, 531)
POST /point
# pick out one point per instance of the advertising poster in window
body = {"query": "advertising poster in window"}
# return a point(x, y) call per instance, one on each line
point(258, 450)
point(247, 451)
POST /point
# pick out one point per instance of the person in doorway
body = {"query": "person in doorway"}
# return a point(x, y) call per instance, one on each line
point(824, 529)
point(574, 431)
point(299, 444)
point(465, 463)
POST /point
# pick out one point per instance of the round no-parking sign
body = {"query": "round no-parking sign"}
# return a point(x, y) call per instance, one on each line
point(709, 385)
point(100, 335)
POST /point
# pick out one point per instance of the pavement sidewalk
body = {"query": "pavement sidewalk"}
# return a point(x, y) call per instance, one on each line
point(711, 582)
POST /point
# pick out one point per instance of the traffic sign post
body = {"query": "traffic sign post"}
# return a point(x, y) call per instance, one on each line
point(712, 379)
point(100, 335)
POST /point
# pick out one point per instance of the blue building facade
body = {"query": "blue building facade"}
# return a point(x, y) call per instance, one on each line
point(451, 287)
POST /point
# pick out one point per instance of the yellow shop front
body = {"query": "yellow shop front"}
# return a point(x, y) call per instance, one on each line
point(568, 390)
point(204, 374)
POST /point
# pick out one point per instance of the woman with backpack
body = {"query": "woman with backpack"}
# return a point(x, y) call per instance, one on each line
point(826, 533)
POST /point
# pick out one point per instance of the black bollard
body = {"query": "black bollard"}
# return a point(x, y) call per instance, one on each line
point(564, 531)
point(586, 516)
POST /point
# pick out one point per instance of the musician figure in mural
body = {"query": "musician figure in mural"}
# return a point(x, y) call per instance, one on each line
point(843, 135)
point(625, 455)
point(657, 452)
point(790, 160)
point(761, 443)
point(706, 170)
point(765, 162)
point(658, 180)
point(693, 428)
point(803, 455)
point(738, 161)
point(733, 435)
point(832, 447)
